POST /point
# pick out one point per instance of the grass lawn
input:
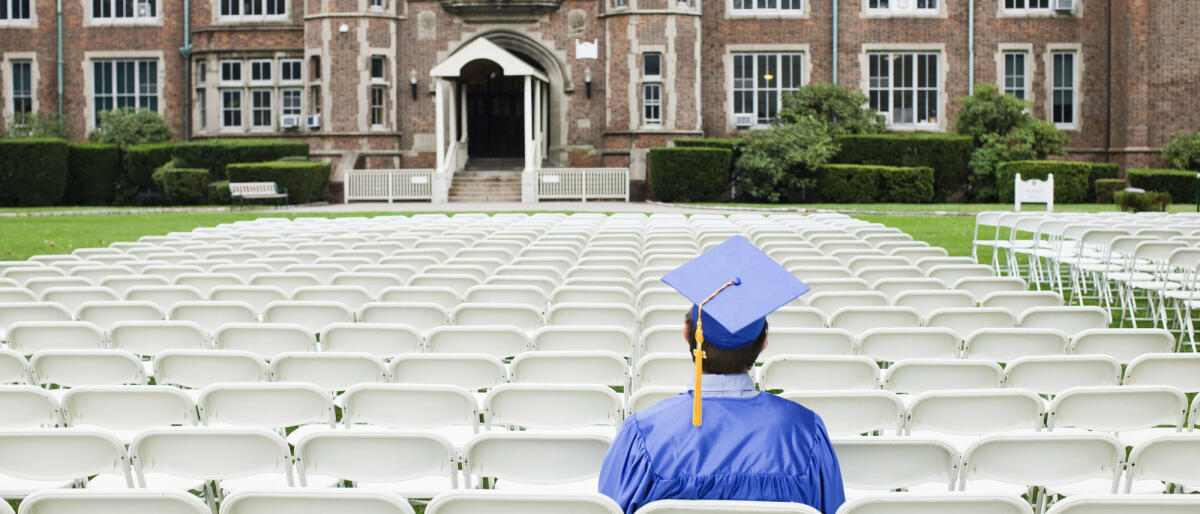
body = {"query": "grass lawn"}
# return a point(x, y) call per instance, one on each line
point(945, 207)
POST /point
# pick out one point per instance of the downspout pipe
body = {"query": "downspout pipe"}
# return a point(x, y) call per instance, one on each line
point(835, 41)
point(186, 52)
point(59, 45)
point(970, 47)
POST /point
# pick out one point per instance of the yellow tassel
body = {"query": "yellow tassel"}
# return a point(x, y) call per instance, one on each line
point(698, 353)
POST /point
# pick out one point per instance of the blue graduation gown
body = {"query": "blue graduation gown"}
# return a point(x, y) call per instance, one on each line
point(760, 448)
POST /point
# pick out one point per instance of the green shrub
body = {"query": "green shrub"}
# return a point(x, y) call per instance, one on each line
point(32, 171)
point(733, 144)
point(293, 158)
point(1070, 178)
point(689, 174)
point(306, 182)
point(856, 183)
point(1105, 188)
point(842, 110)
point(1101, 171)
point(92, 173)
point(215, 154)
point(218, 192)
point(1180, 184)
point(776, 164)
point(948, 155)
point(184, 186)
point(127, 127)
point(1139, 202)
point(36, 125)
point(140, 163)
point(1183, 152)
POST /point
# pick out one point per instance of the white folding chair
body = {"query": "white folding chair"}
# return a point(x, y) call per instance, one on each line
point(887, 462)
point(164, 297)
point(264, 339)
point(450, 410)
point(126, 410)
point(829, 303)
point(659, 369)
point(74, 368)
point(352, 297)
point(1167, 458)
point(965, 321)
point(1020, 301)
point(584, 338)
point(379, 339)
point(26, 406)
point(422, 317)
point(14, 369)
point(149, 338)
point(795, 318)
point(829, 372)
point(860, 319)
point(445, 297)
point(374, 283)
point(33, 460)
point(895, 344)
point(16, 294)
point(1123, 344)
point(313, 316)
point(315, 501)
point(211, 315)
point(1181, 371)
point(1070, 320)
point(520, 316)
point(268, 405)
point(30, 311)
point(460, 283)
point(836, 285)
point(134, 501)
point(914, 376)
point(185, 458)
point(122, 284)
point(647, 396)
point(1008, 344)
point(1052, 461)
point(412, 464)
point(288, 282)
point(34, 336)
point(981, 286)
point(503, 502)
point(519, 295)
point(197, 369)
point(552, 461)
point(801, 341)
point(594, 314)
point(205, 282)
point(724, 506)
point(961, 416)
point(946, 503)
point(1130, 413)
point(953, 273)
point(472, 371)
point(1051, 374)
point(663, 316)
point(500, 341)
point(331, 371)
point(586, 367)
point(894, 286)
point(1122, 504)
point(73, 297)
point(854, 412)
point(577, 408)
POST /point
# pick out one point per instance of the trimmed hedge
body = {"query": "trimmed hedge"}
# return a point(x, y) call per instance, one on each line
point(1139, 202)
point(1105, 188)
point(218, 193)
point(690, 174)
point(733, 144)
point(215, 154)
point(1181, 184)
point(1101, 171)
point(1070, 178)
point(306, 182)
point(948, 155)
point(857, 183)
point(185, 186)
point(140, 163)
point(92, 173)
point(32, 171)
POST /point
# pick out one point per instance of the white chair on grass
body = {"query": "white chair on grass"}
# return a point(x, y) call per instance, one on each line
point(647, 396)
point(122, 284)
point(954, 273)
point(445, 297)
point(502, 502)
point(73, 297)
point(352, 297)
point(1167, 458)
point(164, 297)
point(34, 336)
point(1070, 320)
point(499, 341)
point(313, 316)
point(894, 286)
point(1131, 413)
point(1014, 462)
point(592, 294)
point(26, 406)
point(861, 319)
point(961, 416)
point(14, 369)
point(569, 408)
point(186, 458)
point(913, 376)
point(619, 340)
point(664, 339)
point(211, 315)
point(1009, 344)
point(520, 295)
point(835, 285)
point(135, 501)
point(450, 410)
point(264, 339)
point(829, 303)
point(472, 371)
point(1020, 301)
point(965, 321)
point(1123, 344)
point(206, 282)
point(1125, 503)
point(947, 503)
point(422, 317)
point(603, 314)
point(981, 287)
point(517, 460)
point(886, 463)
point(331, 371)
point(1052, 374)
point(374, 283)
point(928, 301)
point(799, 341)
point(268, 405)
point(30, 311)
point(1181, 371)
point(75, 368)
point(315, 501)
point(126, 410)
point(788, 373)
point(724, 506)
point(411, 464)
point(288, 282)
point(40, 285)
point(34, 460)
point(197, 369)
point(379, 339)
point(16, 294)
point(523, 317)
point(586, 367)
point(791, 318)
point(107, 314)
point(848, 413)
point(149, 338)
point(661, 369)
point(664, 316)
point(895, 344)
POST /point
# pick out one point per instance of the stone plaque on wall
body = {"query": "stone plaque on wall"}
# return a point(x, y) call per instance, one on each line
point(576, 23)
point(427, 25)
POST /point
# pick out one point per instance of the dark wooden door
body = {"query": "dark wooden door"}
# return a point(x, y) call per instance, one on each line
point(495, 117)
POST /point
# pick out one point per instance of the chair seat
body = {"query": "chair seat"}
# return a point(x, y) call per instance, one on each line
point(426, 487)
point(15, 488)
point(305, 430)
point(256, 482)
point(585, 486)
point(1155, 285)
point(1104, 486)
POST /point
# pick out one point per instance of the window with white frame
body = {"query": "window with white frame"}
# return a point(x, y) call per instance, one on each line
point(123, 9)
point(378, 4)
point(378, 68)
point(202, 70)
point(201, 109)
point(620, 4)
point(124, 84)
point(261, 112)
point(759, 83)
point(1062, 88)
point(1027, 5)
point(22, 88)
point(289, 102)
point(753, 6)
point(378, 106)
point(289, 70)
point(902, 6)
point(15, 11)
point(260, 71)
point(904, 87)
point(231, 71)
point(1016, 74)
point(652, 65)
point(652, 75)
point(253, 10)
point(231, 108)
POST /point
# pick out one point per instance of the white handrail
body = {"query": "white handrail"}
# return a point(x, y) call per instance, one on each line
point(390, 185)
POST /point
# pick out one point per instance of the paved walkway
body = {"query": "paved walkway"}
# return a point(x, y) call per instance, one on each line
point(521, 207)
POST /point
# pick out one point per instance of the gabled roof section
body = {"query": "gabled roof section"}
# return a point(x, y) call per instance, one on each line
point(481, 48)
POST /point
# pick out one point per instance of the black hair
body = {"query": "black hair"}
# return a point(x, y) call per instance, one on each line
point(720, 361)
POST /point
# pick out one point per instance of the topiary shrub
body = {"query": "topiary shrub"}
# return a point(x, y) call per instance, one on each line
point(948, 155)
point(306, 182)
point(857, 183)
point(215, 154)
point(138, 175)
point(1180, 184)
point(184, 186)
point(92, 173)
point(32, 171)
point(218, 192)
point(1070, 178)
point(689, 174)
point(1101, 171)
point(1138, 202)
point(1105, 188)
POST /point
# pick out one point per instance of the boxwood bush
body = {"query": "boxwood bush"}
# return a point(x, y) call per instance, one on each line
point(215, 154)
point(306, 182)
point(948, 155)
point(689, 174)
point(218, 192)
point(1181, 184)
point(1102, 171)
point(859, 183)
point(1139, 202)
point(1105, 188)
point(138, 174)
point(184, 186)
point(32, 171)
point(1071, 179)
point(92, 173)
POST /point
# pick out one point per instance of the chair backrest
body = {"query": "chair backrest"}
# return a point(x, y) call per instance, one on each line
point(836, 285)
point(965, 321)
point(585, 367)
point(603, 314)
point(473, 371)
point(927, 301)
point(1070, 320)
point(975, 412)
point(724, 506)
point(1123, 344)
point(790, 373)
point(447, 298)
point(793, 318)
point(520, 295)
point(25, 406)
point(802, 341)
point(205, 282)
point(860, 319)
point(409, 406)
point(128, 407)
point(210, 453)
point(365, 455)
point(888, 462)
point(108, 313)
point(1034, 190)
point(847, 413)
point(1181, 371)
point(312, 315)
point(62, 454)
point(379, 339)
point(1008, 344)
point(164, 297)
point(197, 369)
point(1020, 301)
point(372, 282)
point(149, 338)
point(1117, 408)
point(829, 303)
point(663, 315)
point(948, 503)
point(269, 405)
point(534, 458)
point(34, 336)
point(331, 371)
point(894, 344)
point(14, 369)
point(353, 297)
point(553, 406)
point(89, 501)
point(1052, 374)
point(1168, 457)
point(954, 273)
point(503, 502)
point(14, 312)
point(74, 368)
point(1121, 504)
point(286, 281)
point(422, 317)
point(211, 315)
point(914, 376)
point(573, 338)
point(501, 341)
point(520, 316)
point(1043, 459)
point(73, 297)
point(265, 339)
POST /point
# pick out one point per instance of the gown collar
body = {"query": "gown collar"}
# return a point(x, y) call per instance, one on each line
point(738, 385)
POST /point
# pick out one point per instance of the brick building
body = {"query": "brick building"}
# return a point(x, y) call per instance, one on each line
point(391, 83)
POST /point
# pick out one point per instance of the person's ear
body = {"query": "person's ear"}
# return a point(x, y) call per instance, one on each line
point(765, 341)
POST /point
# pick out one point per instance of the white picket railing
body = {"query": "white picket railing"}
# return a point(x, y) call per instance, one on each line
point(390, 185)
point(583, 183)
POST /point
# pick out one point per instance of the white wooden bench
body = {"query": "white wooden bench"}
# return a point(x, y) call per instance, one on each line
point(239, 192)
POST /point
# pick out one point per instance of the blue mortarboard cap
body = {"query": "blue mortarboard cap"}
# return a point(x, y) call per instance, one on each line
point(757, 286)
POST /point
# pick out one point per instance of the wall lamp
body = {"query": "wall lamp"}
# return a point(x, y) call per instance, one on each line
point(587, 81)
point(412, 81)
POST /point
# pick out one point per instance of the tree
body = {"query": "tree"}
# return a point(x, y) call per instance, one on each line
point(127, 127)
point(26, 125)
point(1003, 130)
point(775, 162)
point(841, 109)
point(1183, 152)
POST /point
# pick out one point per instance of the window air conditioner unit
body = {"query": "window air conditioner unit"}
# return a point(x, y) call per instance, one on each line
point(1064, 5)
point(143, 9)
point(313, 122)
point(290, 121)
point(743, 120)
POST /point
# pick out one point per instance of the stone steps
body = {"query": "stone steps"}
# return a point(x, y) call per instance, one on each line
point(486, 186)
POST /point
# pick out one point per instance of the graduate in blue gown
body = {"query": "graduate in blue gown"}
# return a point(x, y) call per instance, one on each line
point(729, 441)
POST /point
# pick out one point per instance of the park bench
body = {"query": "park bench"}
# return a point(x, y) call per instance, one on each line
point(239, 192)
